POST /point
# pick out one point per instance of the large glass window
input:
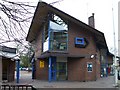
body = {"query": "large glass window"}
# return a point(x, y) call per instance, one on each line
point(58, 34)
point(55, 34)
point(61, 70)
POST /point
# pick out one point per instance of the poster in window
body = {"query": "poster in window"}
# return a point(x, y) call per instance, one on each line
point(89, 67)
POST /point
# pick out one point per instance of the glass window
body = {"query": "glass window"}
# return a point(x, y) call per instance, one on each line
point(59, 21)
point(55, 35)
point(89, 67)
point(58, 37)
point(58, 34)
point(61, 70)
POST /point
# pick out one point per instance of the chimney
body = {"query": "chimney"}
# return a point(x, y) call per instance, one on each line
point(91, 21)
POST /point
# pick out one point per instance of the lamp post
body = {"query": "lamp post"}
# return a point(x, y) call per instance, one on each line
point(115, 60)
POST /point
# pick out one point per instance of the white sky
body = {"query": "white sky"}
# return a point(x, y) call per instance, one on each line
point(82, 9)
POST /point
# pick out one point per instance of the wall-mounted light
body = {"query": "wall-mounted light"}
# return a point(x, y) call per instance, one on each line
point(92, 56)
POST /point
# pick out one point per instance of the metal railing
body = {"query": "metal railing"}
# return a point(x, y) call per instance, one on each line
point(17, 87)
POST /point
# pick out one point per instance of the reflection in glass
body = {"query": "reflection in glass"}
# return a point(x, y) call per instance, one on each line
point(55, 34)
point(58, 36)
point(61, 70)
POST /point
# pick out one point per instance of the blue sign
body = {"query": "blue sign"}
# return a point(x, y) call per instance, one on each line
point(80, 42)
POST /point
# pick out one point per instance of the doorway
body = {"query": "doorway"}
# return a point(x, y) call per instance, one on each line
point(58, 68)
point(61, 70)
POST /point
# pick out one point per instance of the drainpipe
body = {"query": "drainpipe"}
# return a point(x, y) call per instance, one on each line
point(33, 68)
point(50, 69)
point(106, 64)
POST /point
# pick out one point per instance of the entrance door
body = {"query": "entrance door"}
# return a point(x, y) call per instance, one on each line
point(61, 70)
point(53, 73)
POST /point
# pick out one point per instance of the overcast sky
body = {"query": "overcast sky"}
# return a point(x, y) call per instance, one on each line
point(82, 9)
point(104, 16)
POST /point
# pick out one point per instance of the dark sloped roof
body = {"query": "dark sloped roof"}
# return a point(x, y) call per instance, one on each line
point(41, 14)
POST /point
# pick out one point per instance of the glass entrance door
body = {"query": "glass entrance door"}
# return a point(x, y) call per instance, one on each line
point(61, 70)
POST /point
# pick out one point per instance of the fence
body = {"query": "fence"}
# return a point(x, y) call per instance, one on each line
point(17, 87)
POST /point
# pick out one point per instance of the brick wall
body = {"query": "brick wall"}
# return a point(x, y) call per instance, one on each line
point(77, 69)
point(77, 31)
point(74, 31)
point(11, 75)
point(38, 44)
point(41, 73)
point(98, 70)
point(8, 68)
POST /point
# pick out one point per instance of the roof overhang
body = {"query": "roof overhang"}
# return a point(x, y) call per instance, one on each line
point(6, 58)
point(38, 18)
point(62, 54)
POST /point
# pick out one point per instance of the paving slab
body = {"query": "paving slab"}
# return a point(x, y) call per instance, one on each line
point(25, 78)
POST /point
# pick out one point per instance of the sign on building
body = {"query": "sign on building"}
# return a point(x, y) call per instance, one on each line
point(42, 64)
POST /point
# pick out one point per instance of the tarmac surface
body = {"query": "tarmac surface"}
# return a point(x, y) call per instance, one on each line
point(25, 78)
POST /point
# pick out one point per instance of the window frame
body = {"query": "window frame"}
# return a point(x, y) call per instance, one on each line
point(64, 24)
point(91, 70)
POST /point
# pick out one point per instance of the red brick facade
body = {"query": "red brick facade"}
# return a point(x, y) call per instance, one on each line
point(77, 70)
point(77, 58)
point(41, 73)
point(77, 31)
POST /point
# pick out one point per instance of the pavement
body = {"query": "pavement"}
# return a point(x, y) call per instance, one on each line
point(25, 78)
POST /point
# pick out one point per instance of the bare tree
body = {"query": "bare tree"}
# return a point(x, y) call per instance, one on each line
point(15, 18)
